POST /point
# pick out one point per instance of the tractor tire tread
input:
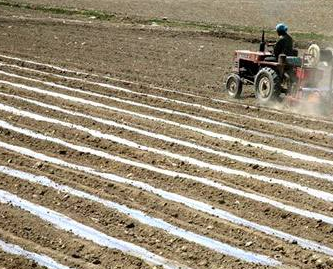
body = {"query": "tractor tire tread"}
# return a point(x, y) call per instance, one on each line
point(275, 80)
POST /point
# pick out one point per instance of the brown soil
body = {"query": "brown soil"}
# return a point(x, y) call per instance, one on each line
point(8, 261)
point(309, 16)
point(184, 61)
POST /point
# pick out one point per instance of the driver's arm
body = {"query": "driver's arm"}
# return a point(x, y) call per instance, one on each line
point(278, 48)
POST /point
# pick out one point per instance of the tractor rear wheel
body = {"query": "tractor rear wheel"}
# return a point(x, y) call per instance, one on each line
point(234, 86)
point(267, 85)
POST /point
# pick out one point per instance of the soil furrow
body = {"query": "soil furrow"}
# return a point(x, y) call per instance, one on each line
point(38, 255)
point(255, 123)
point(101, 144)
point(149, 60)
point(11, 261)
point(175, 153)
point(152, 223)
point(315, 223)
point(42, 233)
point(150, 158)
point(236, 107)
point(151, 204)
point(69, 201)
point(108, 107)
point(113, 223)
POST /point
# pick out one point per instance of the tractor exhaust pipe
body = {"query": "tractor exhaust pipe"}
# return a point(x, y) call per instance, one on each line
point(263, 42)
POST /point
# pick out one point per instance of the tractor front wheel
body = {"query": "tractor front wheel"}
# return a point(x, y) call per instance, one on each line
point(267, 85)
point(234, 86)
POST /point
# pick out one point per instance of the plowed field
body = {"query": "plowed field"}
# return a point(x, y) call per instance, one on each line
point(306, 16)
point(118, 149)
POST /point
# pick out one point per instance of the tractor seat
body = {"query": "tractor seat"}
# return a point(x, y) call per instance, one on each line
point(270, 59)
point(291, 60)
point(294, 61)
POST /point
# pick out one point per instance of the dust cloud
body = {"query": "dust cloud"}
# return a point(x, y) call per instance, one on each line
point(316, 101)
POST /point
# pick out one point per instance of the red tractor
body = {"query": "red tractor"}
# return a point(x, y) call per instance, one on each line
point(298, 78)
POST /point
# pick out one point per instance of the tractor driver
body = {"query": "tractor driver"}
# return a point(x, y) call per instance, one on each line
point(285, 46)
point(285, 43)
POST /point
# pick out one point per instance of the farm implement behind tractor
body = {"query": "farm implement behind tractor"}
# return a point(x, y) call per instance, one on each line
point(295, 80)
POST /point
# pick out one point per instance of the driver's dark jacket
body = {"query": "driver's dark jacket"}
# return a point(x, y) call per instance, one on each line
point(284, 46)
